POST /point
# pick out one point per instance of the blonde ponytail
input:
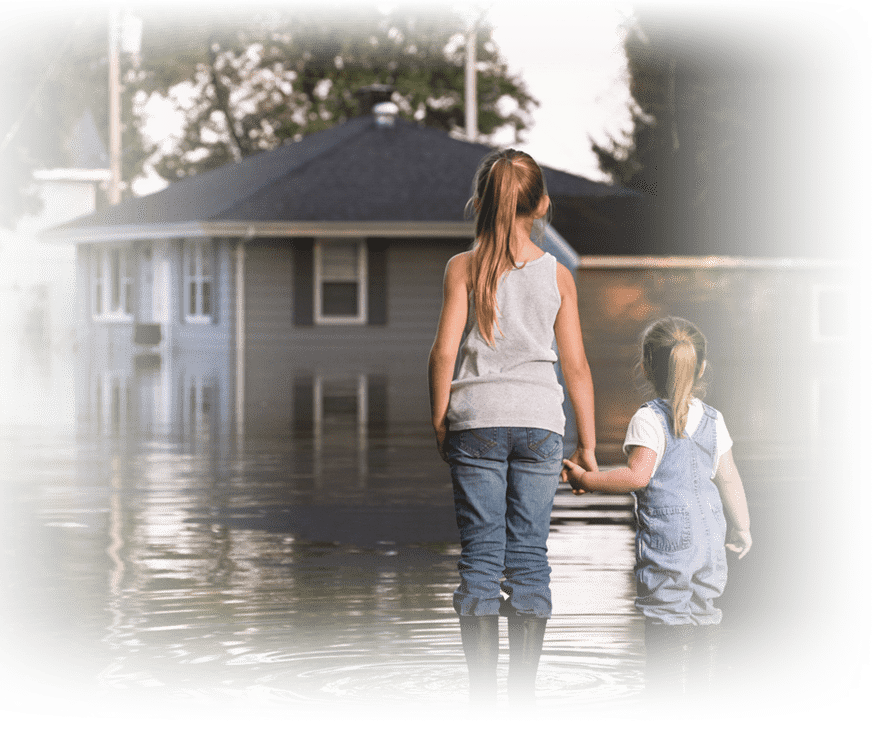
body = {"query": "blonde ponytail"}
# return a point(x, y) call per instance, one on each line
point(679, 385)
point(508, 183)
point(673, 354)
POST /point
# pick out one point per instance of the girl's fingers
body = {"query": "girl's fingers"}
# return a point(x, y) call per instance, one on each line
point(742, 550)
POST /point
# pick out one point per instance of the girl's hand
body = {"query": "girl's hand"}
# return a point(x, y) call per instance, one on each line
point(573, 474)
point(585, 458)
point(440, 434)
point(739, 542)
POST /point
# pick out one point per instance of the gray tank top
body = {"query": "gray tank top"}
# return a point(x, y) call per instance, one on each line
point(513, 384)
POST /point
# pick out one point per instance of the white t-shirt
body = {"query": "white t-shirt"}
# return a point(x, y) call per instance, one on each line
point(645, 429)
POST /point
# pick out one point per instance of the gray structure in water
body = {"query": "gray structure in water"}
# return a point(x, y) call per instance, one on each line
point(295, 291)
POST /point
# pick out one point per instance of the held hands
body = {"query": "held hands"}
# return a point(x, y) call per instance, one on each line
point(573, 474)
point(739, 542)
point(580, 462)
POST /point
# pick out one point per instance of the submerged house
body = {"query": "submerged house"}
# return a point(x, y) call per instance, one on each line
point(295, 291)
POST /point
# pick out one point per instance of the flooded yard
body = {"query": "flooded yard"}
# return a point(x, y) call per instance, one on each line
point(242, 581)
point(149, 568)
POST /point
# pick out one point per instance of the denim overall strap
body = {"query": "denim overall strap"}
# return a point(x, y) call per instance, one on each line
point(680, 552)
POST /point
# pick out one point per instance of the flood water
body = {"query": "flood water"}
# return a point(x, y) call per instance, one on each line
point(232, 584)
point(214, 570)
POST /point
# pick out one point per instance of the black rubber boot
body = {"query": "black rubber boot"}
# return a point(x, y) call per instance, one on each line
point(526, 639)
point(704, 669)
point(480, 643)
point(667, 666)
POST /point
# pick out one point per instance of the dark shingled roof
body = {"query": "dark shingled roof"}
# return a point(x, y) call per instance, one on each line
point(356, 171)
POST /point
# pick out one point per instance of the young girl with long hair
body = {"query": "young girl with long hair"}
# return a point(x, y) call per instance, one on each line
point(499, 423)
point(681, 471)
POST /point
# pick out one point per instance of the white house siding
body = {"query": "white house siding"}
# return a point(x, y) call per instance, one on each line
point(289, 367)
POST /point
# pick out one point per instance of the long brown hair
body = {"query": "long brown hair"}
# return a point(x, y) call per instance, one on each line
point(672, 354)
point(508, 184)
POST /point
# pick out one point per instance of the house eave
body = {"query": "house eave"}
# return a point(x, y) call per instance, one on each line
point(96, 176)
point(258, 229)
point(694, 262)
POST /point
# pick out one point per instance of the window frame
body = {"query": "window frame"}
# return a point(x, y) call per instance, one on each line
point(361, 317)
point(112, 283)
point(201, 248)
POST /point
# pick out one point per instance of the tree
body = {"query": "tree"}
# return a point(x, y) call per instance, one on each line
point(695, 123)
point(253, 79)
point(639, 162)
point(245, 78)
point(55, 70)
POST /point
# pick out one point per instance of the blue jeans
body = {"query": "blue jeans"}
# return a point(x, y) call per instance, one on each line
point(504, 481)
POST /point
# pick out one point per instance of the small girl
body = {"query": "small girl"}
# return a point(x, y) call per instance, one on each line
point(681, 471)
point(499, 422)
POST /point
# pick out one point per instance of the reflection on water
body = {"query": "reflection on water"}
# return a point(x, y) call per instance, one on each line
point(164, 570)
point(156, 555)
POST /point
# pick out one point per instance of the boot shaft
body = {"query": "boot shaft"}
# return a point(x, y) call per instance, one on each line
point(526, 639)
point(480, 644)
point(666, 667)
point(705, 663)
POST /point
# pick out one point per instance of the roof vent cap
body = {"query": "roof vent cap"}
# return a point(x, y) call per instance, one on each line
point(385, 113)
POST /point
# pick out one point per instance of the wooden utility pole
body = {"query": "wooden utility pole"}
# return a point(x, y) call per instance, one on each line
point(115, 119)
point(125, 32)
point(471, 84)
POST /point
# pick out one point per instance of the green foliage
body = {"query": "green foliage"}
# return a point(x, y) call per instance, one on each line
point(260, 77)
point(638, 162)
point(246, 77)
point(693, 113)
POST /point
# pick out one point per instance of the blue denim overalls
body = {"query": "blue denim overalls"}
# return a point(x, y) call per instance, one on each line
point(679, 546)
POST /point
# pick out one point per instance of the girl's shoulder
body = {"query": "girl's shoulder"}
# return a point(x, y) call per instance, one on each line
point(457, 275)
point(458, 264)
point(564, 279)
point(462, 258)
point(699, 404)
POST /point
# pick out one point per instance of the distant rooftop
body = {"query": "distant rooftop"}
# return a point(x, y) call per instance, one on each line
point(357, 172)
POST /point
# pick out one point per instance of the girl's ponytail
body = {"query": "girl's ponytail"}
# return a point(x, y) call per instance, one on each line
point(682, 374)
point(508, 183)
point(673, 354)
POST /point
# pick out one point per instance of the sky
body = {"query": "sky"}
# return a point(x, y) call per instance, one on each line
point(571, 59)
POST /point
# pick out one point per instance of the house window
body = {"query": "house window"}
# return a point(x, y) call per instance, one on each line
point(197, 258)
point(340, 282)
point(112, 294)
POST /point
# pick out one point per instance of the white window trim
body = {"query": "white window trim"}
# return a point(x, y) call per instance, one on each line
point(200, 247)
point(362, 317)
point(101, 267)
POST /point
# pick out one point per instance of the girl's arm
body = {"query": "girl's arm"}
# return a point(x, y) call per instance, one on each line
point(442, 359)
point(729, 484)
point(634, 476)
point(575, 370)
